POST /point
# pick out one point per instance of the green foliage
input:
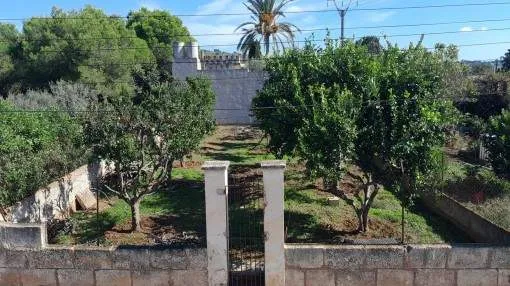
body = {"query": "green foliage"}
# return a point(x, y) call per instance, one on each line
point(160, 30)
point(35, 148)
point(506, 61)
point(372, 43)
point(490, 97)
point(9, 40)
point(326, 139)
point(344, 104)
point(85, 45)
point(498, 143)
point(287, 88)
point(62, 95)
point(265, 28)
point(141, 138)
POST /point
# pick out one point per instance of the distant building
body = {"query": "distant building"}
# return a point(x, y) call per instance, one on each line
point(234, 83)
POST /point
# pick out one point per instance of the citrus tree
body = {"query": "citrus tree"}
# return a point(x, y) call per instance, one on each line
point(346, 105)
point(141, 138)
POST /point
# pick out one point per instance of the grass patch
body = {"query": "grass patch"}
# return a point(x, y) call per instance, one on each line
point(480, 190)
point(182, 209)
point(309, 218)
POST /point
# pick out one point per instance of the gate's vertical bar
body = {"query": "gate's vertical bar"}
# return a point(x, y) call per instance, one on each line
point(273, 172)
point(216, 193)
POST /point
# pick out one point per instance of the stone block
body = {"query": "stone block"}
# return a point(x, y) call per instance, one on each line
point(349, 257)
point(427, 256)
point(92, 258)
point(188, 278)
point(75, 277)
point(9, 277)
point(174, 259)
point(500, 257)
point(50, 258)
point(472, 277)
point(384, 257)
point(355, 278)
point(394, 277)
point(13, 258)
point(468, 257)
point(442, 277)
point(86, 199)
point(113, 277)
point(39, 277)
point(136, 258)
point(152, 278)
point(504, 277)
point(294, 277)
point(22, 235)
point(197, 258)
point(305, 257)
point(323, 277)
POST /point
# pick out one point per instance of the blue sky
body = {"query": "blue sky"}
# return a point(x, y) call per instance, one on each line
point(227, 24)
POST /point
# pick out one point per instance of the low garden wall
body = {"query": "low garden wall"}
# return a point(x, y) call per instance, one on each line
point(58, 198)
point(464, 265)
point(23, 235)
point(478, 228)
point(103, 266)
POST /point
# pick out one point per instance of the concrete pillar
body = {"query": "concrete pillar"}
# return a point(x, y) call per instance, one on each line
point(274, 222)
point(216, 183)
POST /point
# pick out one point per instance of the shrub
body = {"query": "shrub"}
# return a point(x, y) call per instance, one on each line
point(498, 143)
point(62, 95)
point(35, 148)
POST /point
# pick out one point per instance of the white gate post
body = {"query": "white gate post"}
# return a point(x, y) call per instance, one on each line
point(274, 222)
point(216, 190)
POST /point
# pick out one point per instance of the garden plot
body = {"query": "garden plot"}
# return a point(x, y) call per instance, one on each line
point(176, 215)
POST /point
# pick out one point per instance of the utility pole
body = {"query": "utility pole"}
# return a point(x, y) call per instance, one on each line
point(342, 11)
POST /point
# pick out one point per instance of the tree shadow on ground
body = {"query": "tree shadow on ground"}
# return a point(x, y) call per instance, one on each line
point(447, 231)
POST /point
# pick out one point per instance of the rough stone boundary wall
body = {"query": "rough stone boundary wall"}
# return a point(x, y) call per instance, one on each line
point(58, 198)
point(397, 265)
point(477, 227)
point(75, 266)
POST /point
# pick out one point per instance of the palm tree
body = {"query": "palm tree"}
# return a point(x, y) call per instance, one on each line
point(264, 27)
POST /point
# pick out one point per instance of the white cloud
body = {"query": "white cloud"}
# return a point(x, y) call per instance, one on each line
point(484, 28)
point(466, 29)
point(149, 4)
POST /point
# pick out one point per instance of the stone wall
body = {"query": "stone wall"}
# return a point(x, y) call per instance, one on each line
point(103, 266)
point(23, 235)
point(477, 227)
point(58, 198)
point(397, 265)
point(235, 90)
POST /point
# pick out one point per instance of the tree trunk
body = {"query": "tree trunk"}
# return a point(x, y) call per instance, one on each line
point(135, 216)
point(364, 217)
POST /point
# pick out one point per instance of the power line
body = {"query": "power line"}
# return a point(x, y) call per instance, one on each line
point(302, 30)
point(366, 103)
point(285, 12)
point(284, 42)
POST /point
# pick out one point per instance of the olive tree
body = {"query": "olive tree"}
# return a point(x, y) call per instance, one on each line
point(141, 138)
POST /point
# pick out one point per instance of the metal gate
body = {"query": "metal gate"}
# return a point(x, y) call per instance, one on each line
point(245, 218)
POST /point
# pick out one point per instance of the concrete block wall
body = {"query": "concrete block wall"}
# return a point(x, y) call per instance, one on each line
point(61, 266)
point(416, 265)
